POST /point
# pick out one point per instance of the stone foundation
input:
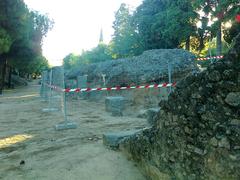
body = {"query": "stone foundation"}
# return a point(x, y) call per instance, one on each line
point(197, 131)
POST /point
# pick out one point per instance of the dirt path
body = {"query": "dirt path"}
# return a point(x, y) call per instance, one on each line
point(30, 148)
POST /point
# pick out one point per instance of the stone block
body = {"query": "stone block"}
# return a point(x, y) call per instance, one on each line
point(152, 115)
point(233, 99)
point(142, 113)
point(113, 139)
point(115, 105)
point(71, 83)
point(82, 81)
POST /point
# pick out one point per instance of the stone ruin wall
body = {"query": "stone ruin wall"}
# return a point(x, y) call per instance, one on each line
point(196, 134)
point(149, 68)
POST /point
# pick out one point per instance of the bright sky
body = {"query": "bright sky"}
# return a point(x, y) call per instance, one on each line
point(77, 24)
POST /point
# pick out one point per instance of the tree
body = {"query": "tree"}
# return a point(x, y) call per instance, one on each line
point(179, 16)
point(70, 61)
point(232, 32)
point(21, 33)
point(12, 27)
point(126, 41)
point(218, 11)
point(98, 54)
point(165, 24)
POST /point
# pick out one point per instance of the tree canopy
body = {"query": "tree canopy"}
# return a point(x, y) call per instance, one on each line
point(21, 34)
point(197, 26)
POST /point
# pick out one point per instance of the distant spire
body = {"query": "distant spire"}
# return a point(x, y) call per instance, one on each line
point(101, 37)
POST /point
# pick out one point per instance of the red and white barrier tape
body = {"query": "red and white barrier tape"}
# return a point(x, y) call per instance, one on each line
point(120, 88)
point(112, 88)
point(208, 58)
point(56, 88)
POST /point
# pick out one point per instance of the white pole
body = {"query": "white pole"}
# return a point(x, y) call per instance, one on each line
point(169, 75)
point(104, 79)
point(50, 83)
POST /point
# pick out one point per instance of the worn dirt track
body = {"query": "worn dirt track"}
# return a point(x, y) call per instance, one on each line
point(30, 148)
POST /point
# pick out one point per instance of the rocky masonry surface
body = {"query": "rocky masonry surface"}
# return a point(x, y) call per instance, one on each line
point(151, 66)
point(197, 131)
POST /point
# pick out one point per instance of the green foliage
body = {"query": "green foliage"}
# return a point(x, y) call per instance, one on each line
point(147, 21)
point(157, 21)
point(98, 54)
point(36, 66)
point(165, 24)
point(5, 41)
point(70, 61)
point(13, 15)
point(218, 12)
point(232, 32)
point(126, 41)
point(21, 33)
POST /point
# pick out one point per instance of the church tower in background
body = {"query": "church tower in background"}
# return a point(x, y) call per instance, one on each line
point(101, 37)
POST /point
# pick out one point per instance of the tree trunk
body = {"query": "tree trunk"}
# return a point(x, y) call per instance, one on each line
point(10, 77)
point(188, 43)
point(219, 39)
point(2, 72)
point(201, 44)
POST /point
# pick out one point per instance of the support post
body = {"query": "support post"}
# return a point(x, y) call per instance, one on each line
point(66, 124)
point(50, 108)
point(170, 75)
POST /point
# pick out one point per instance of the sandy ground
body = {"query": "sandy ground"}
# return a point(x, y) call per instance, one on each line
point(30, 148)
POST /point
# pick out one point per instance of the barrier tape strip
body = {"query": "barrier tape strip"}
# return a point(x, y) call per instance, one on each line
point(117, 88)
point(208, 58)
point(56, 88)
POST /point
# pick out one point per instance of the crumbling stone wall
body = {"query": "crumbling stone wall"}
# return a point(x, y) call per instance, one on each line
point(197, 132)
point(149, 67)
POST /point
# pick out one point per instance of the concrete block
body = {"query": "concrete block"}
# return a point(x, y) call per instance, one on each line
point(115, 105)
point(65, 125)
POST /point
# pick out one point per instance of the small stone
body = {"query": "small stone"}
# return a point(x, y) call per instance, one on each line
point(199, 151)
point(228, 131)
point(224, 143)
point(233, 99)
point(233, 157)
point(196, 96)
point(172, 159)
point(227, 74)
point(209, 85)
point(214, 142)
point(214, 76)
point(235, 122)
point(187, 130)
point(236, 147)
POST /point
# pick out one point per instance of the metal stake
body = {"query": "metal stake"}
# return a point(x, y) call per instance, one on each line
point(65, 124)
point(50, 108)
point(169, 76)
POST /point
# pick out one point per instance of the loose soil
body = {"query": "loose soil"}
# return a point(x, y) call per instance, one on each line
point(30, 147)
